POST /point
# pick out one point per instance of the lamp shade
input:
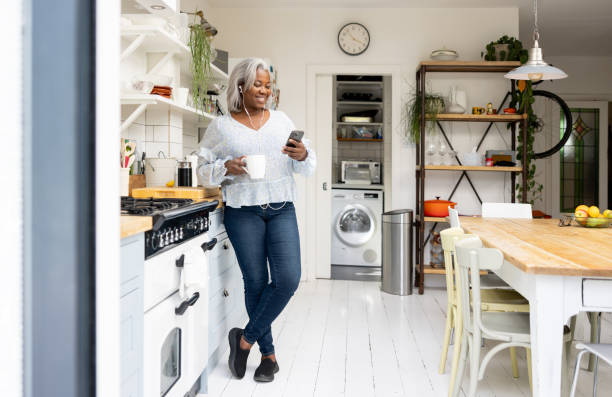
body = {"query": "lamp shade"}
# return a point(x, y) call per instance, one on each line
point(536, 73)
point(536, 69)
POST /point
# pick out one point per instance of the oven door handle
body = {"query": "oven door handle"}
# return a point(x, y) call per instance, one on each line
point(182, 308)
point(207, 246)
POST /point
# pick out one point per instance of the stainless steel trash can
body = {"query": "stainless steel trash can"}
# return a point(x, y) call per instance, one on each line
point(397, 267)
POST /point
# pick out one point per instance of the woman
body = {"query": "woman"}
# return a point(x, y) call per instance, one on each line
point(259, 213)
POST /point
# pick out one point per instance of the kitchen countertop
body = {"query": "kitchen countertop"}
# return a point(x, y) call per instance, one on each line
point(357, 186)
point(131, 225)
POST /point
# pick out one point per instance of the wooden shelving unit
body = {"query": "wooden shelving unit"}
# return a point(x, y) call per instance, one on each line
point(357, 123)
point(457, 67)
point(435, 219)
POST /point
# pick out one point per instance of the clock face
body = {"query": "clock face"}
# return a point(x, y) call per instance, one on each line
point(353, 38)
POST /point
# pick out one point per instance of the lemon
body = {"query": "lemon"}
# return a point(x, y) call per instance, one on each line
point(582, 207)
point(171, 183)
point(607, 213)
point(593, 211)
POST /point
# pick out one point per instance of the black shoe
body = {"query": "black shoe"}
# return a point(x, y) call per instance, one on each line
point(266, 370)
point(238, 357)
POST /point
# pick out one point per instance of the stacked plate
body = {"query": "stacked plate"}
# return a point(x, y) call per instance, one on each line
point(444, 55)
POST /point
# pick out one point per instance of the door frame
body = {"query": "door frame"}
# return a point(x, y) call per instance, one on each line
point(318, 246)
point(603, 157)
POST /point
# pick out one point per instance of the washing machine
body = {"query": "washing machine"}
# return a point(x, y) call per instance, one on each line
point(356, 227)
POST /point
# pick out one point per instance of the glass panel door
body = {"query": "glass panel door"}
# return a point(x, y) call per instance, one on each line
point(579, 160)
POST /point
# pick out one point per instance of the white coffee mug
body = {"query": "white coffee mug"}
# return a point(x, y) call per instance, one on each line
point(255, 166)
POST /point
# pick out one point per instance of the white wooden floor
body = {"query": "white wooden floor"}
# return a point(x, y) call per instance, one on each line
point(347, 338)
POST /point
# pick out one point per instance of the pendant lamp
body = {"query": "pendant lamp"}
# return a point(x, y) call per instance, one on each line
point(535, 69)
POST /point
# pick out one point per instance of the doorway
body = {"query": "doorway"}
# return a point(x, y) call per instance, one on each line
point(323, 120)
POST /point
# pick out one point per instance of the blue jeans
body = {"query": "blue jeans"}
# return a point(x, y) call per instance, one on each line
point(261, 237)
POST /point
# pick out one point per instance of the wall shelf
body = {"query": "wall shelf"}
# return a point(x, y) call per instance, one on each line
point(359, 103)
point(355, 123)
point(375, 83)
point(156, 39)
point(436, 219)
point(191, 115)
point(359, 140)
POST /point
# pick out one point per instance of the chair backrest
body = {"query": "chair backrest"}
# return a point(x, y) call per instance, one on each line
point(506, 210)
point(471, 259)
point(449, 237)
point(453, 217)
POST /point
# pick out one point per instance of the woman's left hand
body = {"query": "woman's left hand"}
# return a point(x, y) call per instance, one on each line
point(298, 152)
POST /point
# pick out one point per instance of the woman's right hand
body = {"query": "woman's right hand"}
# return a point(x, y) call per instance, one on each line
point(235, 166)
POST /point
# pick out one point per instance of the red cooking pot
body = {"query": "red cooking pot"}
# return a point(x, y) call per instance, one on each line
point(437, 207)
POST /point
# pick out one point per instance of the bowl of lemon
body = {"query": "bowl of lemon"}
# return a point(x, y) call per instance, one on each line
point(591, 216)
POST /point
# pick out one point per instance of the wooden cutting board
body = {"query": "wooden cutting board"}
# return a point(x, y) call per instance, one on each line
point(194, 193)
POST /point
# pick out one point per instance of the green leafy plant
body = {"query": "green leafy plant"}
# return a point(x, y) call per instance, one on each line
point(201, 56)
point(515, 52)
point(522, 100)
point(434, 104)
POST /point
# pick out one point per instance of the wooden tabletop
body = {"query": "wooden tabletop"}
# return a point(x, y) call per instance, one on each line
point(131, 225)
point(540, 246)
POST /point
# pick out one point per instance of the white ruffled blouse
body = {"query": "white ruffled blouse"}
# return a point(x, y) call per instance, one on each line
point(226, 139)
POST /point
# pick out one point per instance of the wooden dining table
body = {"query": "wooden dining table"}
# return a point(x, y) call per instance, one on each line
point(560, 270)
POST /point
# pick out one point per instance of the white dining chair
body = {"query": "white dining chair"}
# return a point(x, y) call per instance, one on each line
point(453, 217)
point(599, 350)
point(509, 328)
point(500, 300)
point(507, 210)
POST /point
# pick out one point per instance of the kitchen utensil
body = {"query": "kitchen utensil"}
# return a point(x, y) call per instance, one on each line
point(471, 158)
point(194, 193)
point(437, 207)
point(159, 171)
point(444, 55)
point(130, 162)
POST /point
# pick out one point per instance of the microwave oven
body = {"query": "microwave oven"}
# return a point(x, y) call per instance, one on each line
point(360, 172)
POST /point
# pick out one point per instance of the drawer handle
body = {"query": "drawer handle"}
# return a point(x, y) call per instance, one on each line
point(180, 262)
point(209, 245)
point(180, 309)
point(225, 293)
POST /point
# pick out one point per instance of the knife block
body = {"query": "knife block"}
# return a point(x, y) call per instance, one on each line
point(136, 181)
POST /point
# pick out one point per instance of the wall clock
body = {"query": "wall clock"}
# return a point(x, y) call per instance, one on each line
point(353, 38)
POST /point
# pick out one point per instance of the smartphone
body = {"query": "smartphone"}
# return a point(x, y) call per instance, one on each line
point(296, 135)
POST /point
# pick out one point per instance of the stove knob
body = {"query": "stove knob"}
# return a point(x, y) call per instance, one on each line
point(202, 223)
point(161, 242)
point(181, 234)
point(175, 231)
point(154, 240)
point(169, 239)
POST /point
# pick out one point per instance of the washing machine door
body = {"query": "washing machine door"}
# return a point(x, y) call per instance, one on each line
point(355, 225)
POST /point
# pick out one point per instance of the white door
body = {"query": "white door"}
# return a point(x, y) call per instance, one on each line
point(324, 135)
point(580, 168)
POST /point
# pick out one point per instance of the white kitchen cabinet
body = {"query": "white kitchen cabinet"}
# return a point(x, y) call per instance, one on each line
point(226, 307)
point(131, 308)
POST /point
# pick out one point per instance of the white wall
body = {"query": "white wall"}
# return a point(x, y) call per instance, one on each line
point(296, 37)
point(588, 77)
point(11, 274)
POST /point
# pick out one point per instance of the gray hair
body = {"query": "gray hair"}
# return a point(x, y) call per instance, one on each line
point(244, 74)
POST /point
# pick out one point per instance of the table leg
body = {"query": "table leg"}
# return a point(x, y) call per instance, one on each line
point(547, 319)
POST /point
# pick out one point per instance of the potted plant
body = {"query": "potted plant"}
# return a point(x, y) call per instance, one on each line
point(201, 57)
point(505, 49)
point(434, 105)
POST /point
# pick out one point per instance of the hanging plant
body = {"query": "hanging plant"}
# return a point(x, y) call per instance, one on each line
point(511, 49)
point(201, 56)
point(434, 105)
point(523, 98)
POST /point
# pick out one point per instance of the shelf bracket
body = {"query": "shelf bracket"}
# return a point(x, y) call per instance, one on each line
point(160, 64)
point(133, 116)
point(133, 46)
